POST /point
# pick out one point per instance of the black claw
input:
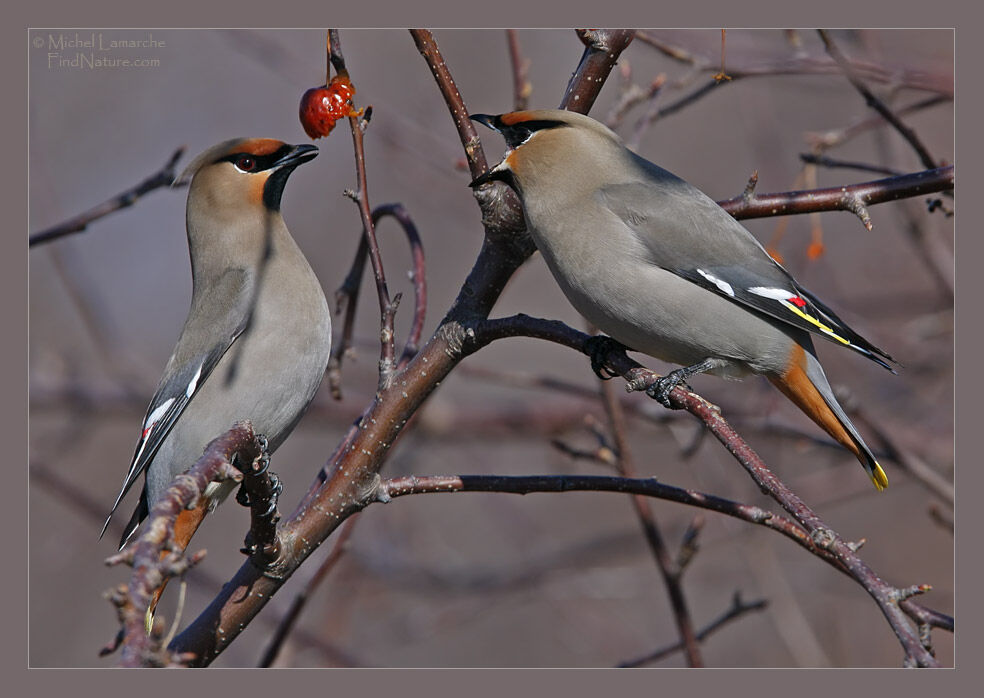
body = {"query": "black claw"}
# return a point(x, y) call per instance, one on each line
point(278, 488)
point(242, 496)
point(599, 347)
point(661, 389)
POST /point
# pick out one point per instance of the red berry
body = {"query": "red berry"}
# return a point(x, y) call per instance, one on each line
point(322, 106)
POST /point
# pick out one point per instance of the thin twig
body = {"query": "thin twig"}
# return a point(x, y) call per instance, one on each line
point(417, 274)
point(801, 64)
point(738, 608)
point(387, 306)
point(821, 141)
point(522, 89)
point(671, 573)
point(162, 178)
point(631, 94)
point(824, 161)
point(347, 295)
point(928, 161)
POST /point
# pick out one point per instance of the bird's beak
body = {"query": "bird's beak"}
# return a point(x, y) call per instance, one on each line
point(486, 120)
point(299, 154)
point(499, 173)
point(488, 176)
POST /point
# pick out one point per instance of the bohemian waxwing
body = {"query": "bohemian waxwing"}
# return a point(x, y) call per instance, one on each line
point(256, 341)
point(657, 265)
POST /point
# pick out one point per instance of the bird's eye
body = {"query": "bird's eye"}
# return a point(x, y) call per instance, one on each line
point(246, 163)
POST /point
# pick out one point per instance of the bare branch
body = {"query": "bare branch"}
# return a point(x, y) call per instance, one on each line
point(300, 601)
point(671, 572)
point(602, 48)
point(162, 178)
point(149, 555)
point(824, 537)
point(800, 63)
point(928, 161)
point(738, 609)
point(824, 161)
point(348, 481)
point(387, 306)
point(844, 198)
point(522, 89)
point(347, 295)
point(821, 141)
point(427, 46)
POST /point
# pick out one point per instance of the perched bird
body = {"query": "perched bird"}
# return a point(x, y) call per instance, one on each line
point(658, 266)
point(256, 341)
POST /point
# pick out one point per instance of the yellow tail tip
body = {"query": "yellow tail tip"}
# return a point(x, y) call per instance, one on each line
point(879, 477)
point(149, 620)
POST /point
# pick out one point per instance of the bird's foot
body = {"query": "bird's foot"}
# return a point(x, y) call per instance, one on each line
point(264, 460)
point(661, 389)
point(599, 347)
point(277, 488)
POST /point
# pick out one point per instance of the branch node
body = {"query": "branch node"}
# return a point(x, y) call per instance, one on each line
point(855, 204)
point(822, 537)
point(749, 192)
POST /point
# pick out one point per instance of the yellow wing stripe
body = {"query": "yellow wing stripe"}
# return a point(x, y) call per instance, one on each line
point(813, 321)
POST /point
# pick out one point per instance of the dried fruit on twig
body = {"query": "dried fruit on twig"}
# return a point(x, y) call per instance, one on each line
point(322, 106)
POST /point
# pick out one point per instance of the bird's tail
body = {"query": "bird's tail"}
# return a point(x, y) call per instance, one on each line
point(185, 526)
point(806, 385)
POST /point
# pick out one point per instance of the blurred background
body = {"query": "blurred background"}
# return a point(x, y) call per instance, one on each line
point(491, 579)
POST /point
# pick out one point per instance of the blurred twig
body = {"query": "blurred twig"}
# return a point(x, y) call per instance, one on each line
point(522, 89)
point(672, 573)
point(300, 601)
point(928, 161)
point(162, 178)
point(796, 63)
point(739, 608)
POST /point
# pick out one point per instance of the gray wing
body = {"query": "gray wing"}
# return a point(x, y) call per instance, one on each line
point(217, 318)
point(685, 232)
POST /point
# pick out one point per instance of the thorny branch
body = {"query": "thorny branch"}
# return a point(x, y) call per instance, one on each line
point(162, 178)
